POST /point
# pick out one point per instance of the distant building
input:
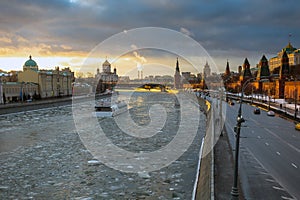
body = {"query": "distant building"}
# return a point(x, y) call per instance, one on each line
point(177, 77)
point(293, 55)
point(107, 76)
point(12, 91)
point(124, 79)
point(185, 77)
point(246, 73)
point(263, 68)
point(284, 69)
point(106, 79)
point(51, 83)
point(32, 83)
point(206, 70)
point(240, 69)
point(227, 70)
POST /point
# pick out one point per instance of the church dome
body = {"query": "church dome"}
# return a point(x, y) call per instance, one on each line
point(106, 63)
point(30, 63)
point(106, 67)
point(289, 48)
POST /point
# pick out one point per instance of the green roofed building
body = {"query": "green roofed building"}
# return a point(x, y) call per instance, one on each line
point(292, 53)
point(30, 64)
point(51, 83)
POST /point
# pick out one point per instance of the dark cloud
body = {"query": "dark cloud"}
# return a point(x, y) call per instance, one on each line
point(219, 25)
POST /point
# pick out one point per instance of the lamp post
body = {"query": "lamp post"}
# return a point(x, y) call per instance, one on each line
point(221, 111)
point(237, 130)
point(269, 98)
point(1, 90)
point(252, 94)
point(295, 98)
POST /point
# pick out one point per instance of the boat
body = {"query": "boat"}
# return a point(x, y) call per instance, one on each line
point(105, 108)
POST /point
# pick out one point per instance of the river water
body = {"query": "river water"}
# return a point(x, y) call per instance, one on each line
point(43, 157)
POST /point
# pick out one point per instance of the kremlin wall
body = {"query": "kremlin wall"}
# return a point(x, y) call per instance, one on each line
point(277, 78)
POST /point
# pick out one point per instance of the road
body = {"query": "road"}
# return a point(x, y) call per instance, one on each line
point(269, 154)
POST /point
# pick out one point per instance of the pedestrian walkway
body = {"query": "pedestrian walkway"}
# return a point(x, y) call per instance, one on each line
point(224, 168)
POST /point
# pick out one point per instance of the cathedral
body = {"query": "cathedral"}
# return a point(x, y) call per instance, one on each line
point(106, 79)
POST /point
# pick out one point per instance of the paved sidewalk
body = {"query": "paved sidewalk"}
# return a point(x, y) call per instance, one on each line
point(224, 169)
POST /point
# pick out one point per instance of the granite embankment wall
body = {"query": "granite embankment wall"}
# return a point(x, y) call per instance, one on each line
point(19, 107)
point(204, 185)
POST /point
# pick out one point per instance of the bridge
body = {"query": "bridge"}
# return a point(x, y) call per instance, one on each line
point(146, 86)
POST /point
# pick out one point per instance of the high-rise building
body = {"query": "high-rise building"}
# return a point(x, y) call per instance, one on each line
point(206, 70)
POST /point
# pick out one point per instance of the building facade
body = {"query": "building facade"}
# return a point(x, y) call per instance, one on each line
point(292, 53)
point(206, 70)
point(51, 83)
point(177, 77)
point(106, 79)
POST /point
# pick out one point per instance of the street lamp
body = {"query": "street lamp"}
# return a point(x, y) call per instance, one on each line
point(295, 98)
point(269, 98)
point(1, 89)
point(237, 130)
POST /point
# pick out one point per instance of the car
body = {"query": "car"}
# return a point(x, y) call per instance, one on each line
point(231, 103)
point(271, 113)
point(297, 126)
point(256, 111)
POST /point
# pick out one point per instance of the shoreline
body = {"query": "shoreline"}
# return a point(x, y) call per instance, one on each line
point(26, 106)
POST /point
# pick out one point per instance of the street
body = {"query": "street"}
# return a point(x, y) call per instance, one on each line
point(269, 154)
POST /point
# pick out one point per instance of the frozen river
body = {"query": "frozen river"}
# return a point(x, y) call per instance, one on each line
point(42, 156)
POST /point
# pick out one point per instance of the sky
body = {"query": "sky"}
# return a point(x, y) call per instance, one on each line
point(64, 32)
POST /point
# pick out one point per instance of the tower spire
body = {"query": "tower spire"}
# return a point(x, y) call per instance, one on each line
point(227, 70)
point(177, 66)
point(177, 76)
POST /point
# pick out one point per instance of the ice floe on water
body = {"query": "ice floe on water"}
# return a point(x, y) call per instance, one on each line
point(52, 163)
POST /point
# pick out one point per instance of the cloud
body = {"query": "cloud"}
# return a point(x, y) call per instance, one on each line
point(133, 46)
point(5, 39)
point(186, 32)
point(22, 39)
point(76, 27)
point(65, 47)
point(6, 51)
